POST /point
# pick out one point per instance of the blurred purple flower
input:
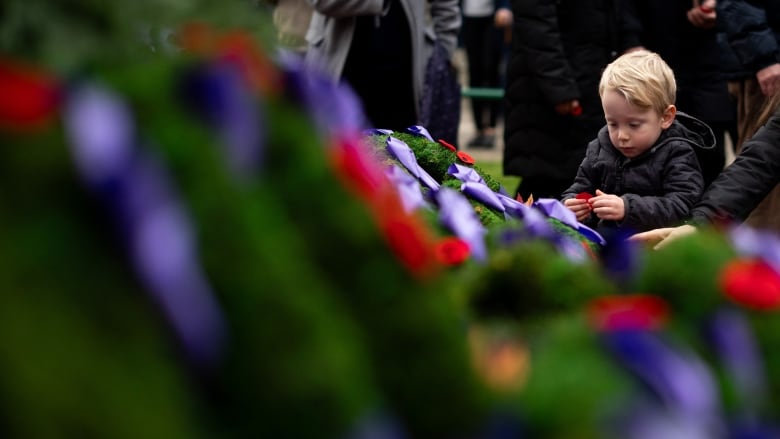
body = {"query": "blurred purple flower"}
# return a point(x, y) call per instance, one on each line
point(678, 379)
point(751, 242)
point(334, 106)
point(218, 93)
point(158, 233)
point(731, 337)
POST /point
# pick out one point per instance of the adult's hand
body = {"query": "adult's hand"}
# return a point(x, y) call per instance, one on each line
point(503, 17)
point(569, 107)
point(769, 79)
point(702, 14)
point(662, 237)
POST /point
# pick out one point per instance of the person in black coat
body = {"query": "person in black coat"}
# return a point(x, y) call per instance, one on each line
point(642, 166)
point(752, 29)
point(684, 34)
point(551, 99)
point(738, 189)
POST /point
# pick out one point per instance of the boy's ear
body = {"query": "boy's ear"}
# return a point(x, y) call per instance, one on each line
point(668, 116)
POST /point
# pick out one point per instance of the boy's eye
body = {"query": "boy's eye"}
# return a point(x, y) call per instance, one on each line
point(634, 124)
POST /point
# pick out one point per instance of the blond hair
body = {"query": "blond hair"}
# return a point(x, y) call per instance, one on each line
point(643, 78)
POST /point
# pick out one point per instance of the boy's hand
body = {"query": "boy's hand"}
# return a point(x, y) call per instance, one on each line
point(581, 208)
point(608, 207)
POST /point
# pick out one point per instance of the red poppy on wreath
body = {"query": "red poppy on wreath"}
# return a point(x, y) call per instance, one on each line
point(621, 312)
point(751, 283)
point(452, 251)
point(445, 144)
point(28, 98)
point(465, 158)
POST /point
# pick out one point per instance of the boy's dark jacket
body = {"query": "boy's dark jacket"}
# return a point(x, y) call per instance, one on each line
point(658, 187)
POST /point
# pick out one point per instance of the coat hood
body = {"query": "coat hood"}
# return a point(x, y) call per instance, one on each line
point(689, 129)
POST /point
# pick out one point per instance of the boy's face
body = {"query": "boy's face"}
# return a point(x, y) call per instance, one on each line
point(633, 130)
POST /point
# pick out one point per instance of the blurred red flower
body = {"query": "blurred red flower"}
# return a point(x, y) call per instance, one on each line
point(751, 283)
point(452, 251)
point(28, 98)
point(620, 312)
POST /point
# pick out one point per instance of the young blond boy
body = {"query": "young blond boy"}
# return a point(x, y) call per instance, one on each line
point(641, 169)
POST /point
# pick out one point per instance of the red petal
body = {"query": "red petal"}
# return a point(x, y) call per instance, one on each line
point(465, 158)
point(447, 145)
point(752, 283)
point(583, 196)
point(639, 311)
point(28, 98)
point(452, 251)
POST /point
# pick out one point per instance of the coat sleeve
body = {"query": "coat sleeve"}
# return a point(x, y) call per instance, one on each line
point(682, 186)
point(744, 183)
point(585, 181)
point(538, 39)
point(748, 33)
point(446, 18)
point(348, 8)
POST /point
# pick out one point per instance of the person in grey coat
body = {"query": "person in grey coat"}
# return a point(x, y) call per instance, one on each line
point(381, 48)
point(642, 167)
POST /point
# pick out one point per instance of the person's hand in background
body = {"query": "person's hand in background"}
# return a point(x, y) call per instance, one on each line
point(769, 79)
point(660, 238)
point(702, 14)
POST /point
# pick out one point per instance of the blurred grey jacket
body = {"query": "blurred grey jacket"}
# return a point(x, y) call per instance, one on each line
point(333, 24)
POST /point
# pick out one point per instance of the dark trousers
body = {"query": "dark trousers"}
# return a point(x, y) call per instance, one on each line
point(483, 43)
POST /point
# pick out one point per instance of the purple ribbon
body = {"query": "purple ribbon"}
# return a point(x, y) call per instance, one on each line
point(679, 379)
point(555, 209)
point(334, 106)
point(418, 130)
point(465, 174)
point(377, 132)
point(731, 337)
point(457, 214)
point(101, 132)
point(401, 151)
point(484, 194)
point(408, 188)
point(218, 92)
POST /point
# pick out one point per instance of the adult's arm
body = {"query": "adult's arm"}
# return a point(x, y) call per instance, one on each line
point(745, 182)
point(446, 22)
point(748, 33)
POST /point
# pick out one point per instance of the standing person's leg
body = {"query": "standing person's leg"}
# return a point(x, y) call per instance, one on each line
point(492, 46)
point(473, 30)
